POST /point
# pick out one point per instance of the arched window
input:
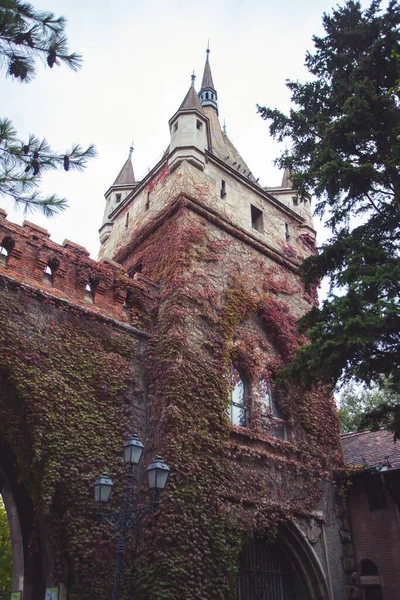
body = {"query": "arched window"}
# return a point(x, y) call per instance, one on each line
point(265, 573)
point(370, 580)
point(50, 270)
point(271, 417)
point(239, 411)
point(6, 247)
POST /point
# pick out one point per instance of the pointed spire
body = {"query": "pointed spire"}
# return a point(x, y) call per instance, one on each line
point(126, 175)
point(287, 179)
point(208, 95)
point(191, 100)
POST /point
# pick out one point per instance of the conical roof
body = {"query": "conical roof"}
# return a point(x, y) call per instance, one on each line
point(207, 81)
point(287, 179)
point(126, 176)
point(191, 101)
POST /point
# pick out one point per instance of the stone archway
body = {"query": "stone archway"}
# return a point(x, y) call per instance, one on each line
point(27, 568)
point(284, 570)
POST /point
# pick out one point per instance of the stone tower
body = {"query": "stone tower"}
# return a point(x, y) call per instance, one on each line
point(179, 332)
point(250, 457)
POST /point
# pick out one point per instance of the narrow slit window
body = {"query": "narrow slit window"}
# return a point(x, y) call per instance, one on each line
point(6, 247)
point(90, 289)
point(271, 417)
point(257, 219)
point(118, 198)
point(175, 126)
point(199, 124)
point(287, 232)
point(223, 189)
point(295, 201)
point(147, 204)
point(239, 411)
point(50, 270)
point(127, 220)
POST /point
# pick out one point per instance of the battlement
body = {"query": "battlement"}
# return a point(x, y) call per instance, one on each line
point(28, 256)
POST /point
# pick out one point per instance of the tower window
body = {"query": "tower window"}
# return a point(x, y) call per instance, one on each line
point(287, 232)
point(206, 95)
point(272, 420)
point(199, 124)
point(257, 220)
point(147, 205)
point(295, 201)
point(239, 411)
point(118, 198)
point(223, 189)
point(126, 219)
point(175, 126)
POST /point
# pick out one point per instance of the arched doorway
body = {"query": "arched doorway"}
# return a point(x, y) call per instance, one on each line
point(285, 570)
point(266, 573)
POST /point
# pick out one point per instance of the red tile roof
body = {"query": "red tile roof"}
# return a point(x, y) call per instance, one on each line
point(371, 448)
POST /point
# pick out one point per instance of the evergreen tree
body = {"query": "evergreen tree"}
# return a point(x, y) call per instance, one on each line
point(25, 36)
point(344, 129)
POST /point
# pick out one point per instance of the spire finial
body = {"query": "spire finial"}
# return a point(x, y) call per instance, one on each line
point(208, 50)
point(193, 77)
point(130, 151)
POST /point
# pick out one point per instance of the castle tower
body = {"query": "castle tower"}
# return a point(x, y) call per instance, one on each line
point(180, 331)
point(246, 451)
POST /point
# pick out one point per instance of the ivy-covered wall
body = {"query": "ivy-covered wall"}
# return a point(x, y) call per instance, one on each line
point(74, 384)
point(71, 392)
point(222, 301)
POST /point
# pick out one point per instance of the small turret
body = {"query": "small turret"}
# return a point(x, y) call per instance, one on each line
point(122, 186)
point(208, 95)
point(189, 132)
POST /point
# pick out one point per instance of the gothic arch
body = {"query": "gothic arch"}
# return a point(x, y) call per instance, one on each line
point(296, 571)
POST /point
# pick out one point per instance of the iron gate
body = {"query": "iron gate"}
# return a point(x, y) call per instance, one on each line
point(265, 573)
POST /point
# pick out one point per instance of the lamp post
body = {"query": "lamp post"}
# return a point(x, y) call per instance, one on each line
point(128, 516)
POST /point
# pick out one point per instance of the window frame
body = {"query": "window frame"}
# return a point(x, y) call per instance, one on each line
point(244, 405)
point(268, 420)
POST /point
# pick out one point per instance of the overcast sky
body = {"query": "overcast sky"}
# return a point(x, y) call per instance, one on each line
point(138, 58)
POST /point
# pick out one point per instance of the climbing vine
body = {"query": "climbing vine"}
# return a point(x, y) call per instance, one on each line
point(73, 399)
point(218, 306)
point(65, 409)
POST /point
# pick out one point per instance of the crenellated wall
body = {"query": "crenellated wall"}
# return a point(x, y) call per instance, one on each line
point(67, 272)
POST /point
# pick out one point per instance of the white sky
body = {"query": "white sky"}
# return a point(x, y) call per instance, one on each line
point(138, 58)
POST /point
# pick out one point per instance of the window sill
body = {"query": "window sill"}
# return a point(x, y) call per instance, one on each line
point(260, 436)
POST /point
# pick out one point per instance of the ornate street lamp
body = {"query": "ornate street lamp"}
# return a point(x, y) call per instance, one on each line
point(127, 517)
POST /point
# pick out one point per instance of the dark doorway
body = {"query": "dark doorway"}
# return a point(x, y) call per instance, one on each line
point(265, 573)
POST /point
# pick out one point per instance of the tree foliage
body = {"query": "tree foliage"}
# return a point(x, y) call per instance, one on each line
point(357, 406)
point(344, 129)
point(27, 35)
point(5, 552)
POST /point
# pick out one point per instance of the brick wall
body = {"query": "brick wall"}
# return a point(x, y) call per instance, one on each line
point(376, 533)
point(113, 294)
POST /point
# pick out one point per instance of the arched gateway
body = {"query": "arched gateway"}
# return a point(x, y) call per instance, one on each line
point(284, 570)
